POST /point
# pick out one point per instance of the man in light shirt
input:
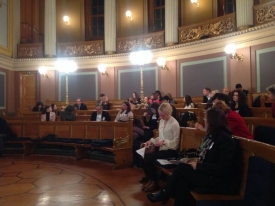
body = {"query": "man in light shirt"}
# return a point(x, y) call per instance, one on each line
point(100, 115)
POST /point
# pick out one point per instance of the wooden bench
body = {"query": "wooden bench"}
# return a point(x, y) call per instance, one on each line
point(253, 122)
point(120, 132)
point(191, 138)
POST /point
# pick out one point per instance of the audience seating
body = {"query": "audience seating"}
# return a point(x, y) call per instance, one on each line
point(120, 132)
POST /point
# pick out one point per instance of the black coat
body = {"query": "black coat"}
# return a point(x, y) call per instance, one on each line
point(104, 116)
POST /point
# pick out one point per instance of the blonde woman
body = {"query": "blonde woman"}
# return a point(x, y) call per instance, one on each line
point(167, 144)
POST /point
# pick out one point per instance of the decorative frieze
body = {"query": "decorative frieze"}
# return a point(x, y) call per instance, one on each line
point(88, 48)
point(142, 42)
point(264, 13)
point(30, 51)
point(214, 27)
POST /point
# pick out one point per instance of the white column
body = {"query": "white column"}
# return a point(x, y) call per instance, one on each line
point(50, 28)
point(110, 26)
point(171, 22)
point(244, 14)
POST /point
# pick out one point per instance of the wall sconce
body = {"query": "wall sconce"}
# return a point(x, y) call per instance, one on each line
point(129, 15)
point(43, 71)
point(161, 62)
point(66, 19)
point(102, 69)
point(231, 49)
point(195, 2)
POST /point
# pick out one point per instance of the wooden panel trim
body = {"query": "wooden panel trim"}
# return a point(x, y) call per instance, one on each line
point(264, 13)
point(30, 50)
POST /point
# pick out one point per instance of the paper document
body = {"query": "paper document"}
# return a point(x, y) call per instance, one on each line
point(141, 152)
point(164, 162)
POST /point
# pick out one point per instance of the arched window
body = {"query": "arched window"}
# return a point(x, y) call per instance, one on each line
point(94, 20)
point(156, 15)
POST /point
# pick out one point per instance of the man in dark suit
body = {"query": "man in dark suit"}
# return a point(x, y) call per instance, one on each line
point(239, 87)
point(79, 105)
point(100, 115)
point(206, 94)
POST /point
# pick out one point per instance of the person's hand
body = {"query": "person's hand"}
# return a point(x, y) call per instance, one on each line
point(199, 126)
point(193, 164)
point(148, 143)
point(145, 127)
point(160, 143)
point(145, 114)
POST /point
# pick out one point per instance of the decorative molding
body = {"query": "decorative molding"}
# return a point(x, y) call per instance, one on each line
point(213, 27)
point(30, 50)
point(264, 13)
point(148, 41)
point(88, 48)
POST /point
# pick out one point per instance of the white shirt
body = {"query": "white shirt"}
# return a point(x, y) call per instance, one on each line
point(98, 117)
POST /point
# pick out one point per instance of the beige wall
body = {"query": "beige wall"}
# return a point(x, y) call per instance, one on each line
point(125, 27)
point(72, 32)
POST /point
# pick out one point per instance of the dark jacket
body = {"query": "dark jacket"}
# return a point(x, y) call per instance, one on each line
point(243, 110)
point(67, 116)
point(218, 158)
point(82, 106)
point(105, 106)
point(174, 112)
point(104, 116)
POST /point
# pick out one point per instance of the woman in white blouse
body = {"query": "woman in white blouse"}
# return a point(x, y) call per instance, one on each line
point(188, 103)
point(125, 113)
point(48, 114)
point(167, 142)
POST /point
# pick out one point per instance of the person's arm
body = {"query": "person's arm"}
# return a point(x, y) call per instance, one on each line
point(117, 116)
point(174, 142)
point(92, 117)
point(43, 117)
point(107, 117)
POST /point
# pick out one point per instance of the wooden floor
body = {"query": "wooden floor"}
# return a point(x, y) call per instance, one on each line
point(56, 181)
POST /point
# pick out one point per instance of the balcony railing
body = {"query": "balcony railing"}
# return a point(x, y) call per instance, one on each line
point(35, 50)
point(147, 41)
point(214, 27)
point(264, 13)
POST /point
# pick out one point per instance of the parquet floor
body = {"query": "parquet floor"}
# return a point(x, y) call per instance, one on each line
point(56, 181)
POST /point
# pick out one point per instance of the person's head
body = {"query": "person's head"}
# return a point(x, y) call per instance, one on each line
point(165, 111)
point(98, 109)
point(239, 97)
point(271, 92)
point(78, 101)
point(239, 87)
point(169, 95)
point(225, 91)
point(146, 99)
point(54, 107)
point(105, 99)
point(188, 100)
point(69, 109)
point(126, 106)
point(213, 92)
point(215, 121)
point(206, 91)
point(165, 99)
point(158, 93)
point(220, 96)
point(39, 105)
point(47, 109)
point(221, 105)
point(153, 96)
point(135, 95)
point(154, 108)
point(101, 96)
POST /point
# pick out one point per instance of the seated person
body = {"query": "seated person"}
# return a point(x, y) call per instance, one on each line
point(167, 142)
point(55, 110)
point(39, 107)
point(188, 103)
point(125, 113)
point(101, 98)
point(271, 93)
point(68, 114)
point(235, 121)
point(135, 99)
point(100, 115)
point(238, 103)
point(172, 101)
point(47, 114)
point(79, 105)
point(206, 94)
point(214, 172)
point(154, 98)
point(240, 87)
point(105, 103)
point(146, 133)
